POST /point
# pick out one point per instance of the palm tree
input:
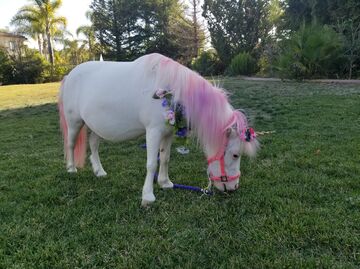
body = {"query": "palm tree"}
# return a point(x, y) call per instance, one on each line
point(89, 33)
point(73, 52)
point(27, 22)
point(40, 18)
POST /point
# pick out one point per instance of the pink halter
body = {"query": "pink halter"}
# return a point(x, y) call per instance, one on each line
point(246, 135)
point(223, 176)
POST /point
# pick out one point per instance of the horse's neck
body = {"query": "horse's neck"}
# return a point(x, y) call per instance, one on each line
point(211, 151)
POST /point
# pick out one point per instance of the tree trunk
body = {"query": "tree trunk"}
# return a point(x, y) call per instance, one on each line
point(44, 47)
point(91, 49)
point(196, 32)
point(116, 32)
point(38, 37)
point(50, 48)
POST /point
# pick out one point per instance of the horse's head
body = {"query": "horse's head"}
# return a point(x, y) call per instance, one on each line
point(224, 169)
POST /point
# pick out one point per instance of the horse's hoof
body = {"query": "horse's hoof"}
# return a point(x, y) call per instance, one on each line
point(147, 199)
point(166, 185)
point(72, 170)
point(100, 173)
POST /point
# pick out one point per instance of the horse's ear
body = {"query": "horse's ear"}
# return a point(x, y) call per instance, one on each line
point(228, 132)
point(231, 131)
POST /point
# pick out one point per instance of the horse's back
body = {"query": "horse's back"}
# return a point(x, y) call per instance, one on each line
point(94, 73)
point(113, 98)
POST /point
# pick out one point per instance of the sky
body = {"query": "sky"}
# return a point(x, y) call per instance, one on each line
point(73, 10)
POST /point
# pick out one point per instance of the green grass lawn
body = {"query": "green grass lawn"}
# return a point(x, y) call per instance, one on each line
point(298, 205)
point(18, 96)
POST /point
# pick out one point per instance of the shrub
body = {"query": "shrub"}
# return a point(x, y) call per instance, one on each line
point(59, 70)
point(242, 64)
point(5, 68)
point(267, 59)
point(208, 64)
point(25, 68)
point(29, 68)
point(313, 51)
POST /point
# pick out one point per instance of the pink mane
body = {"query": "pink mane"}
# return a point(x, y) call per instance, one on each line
point(207, 109)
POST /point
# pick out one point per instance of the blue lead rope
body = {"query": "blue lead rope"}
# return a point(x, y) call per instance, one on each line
point(179, 186)
point(191, 188)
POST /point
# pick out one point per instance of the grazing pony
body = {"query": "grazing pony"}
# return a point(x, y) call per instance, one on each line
point(116, 101)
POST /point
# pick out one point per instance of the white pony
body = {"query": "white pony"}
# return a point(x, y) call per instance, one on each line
point(115, 101)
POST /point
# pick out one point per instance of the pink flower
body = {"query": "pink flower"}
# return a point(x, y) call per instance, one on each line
point(161, 93)
point(247, 134)
point(170, 116)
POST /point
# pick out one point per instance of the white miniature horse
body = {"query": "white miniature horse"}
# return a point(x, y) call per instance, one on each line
point(115, 101)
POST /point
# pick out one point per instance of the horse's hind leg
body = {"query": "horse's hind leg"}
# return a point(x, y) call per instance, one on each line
point(74, 127)
point(94, 141)
point(165, 148)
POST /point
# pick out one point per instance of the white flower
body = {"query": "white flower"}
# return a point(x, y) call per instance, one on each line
point(172, 122)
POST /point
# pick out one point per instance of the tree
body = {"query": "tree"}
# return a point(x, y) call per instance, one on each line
point(276, 10)
point(132, 28)
point(312, 51)
point(40, 20)
point(114, 21)
point(198, 32)
point(73, 52)
point(27, 22)
point(299, 12)
point(186, 33)
point(89, 33)
point(236, 26)
point(342, 15)
point(171, 29)
point(351, 33)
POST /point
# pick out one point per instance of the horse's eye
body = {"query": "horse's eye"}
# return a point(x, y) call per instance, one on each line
point(235, 156)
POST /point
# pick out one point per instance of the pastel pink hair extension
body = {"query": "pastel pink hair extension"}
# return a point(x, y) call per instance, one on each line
point(81, 140)
point(239, 120)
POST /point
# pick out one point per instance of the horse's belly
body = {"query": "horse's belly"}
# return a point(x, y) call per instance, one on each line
point(119, 135)
point(113, 124)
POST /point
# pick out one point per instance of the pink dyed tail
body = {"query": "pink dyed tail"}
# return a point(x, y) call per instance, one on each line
point(81, 141)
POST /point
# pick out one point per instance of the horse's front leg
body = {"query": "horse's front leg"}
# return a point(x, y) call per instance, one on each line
point(165, 148)
point(153, 138)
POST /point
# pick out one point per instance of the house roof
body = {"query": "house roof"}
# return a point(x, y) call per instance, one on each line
point(6, 34)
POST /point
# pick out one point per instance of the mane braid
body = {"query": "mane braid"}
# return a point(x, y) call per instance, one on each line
point(207, 109)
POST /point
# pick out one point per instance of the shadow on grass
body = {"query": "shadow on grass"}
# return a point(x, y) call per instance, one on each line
point(28, 111)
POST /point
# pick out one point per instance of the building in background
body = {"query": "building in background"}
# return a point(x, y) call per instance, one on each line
point(12, 43)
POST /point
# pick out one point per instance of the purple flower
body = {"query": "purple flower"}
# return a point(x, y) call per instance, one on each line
point(164, 103)
point(181, 132)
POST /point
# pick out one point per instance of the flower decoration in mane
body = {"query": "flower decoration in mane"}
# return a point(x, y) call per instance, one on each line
point(174, 112)
point(207, 110)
